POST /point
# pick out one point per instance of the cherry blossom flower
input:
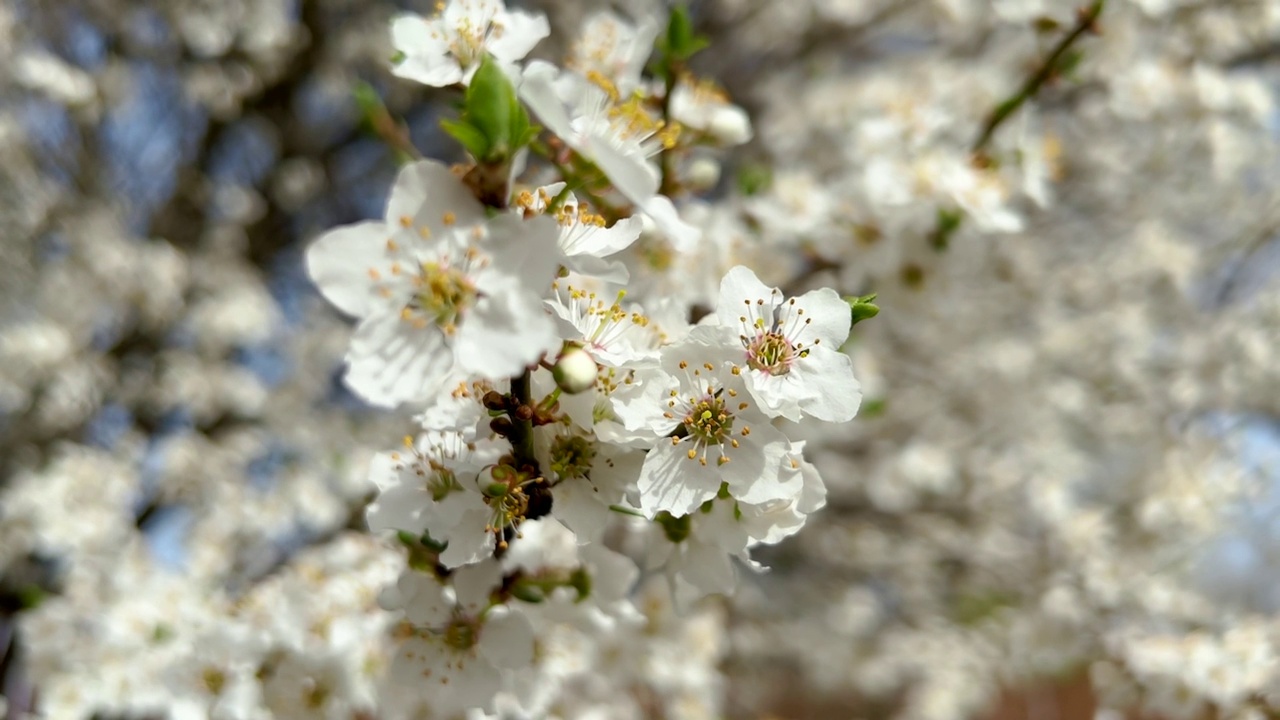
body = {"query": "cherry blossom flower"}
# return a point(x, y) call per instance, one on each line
point(437, 286)
point(586, 238)
point(791, 359)
point(619, 136)
point(455, 639)
point(447, 48)
point(708, 431)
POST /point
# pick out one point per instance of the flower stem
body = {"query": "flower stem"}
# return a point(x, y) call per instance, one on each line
point(1002, 112)
point(522, 430)
point(667, 157)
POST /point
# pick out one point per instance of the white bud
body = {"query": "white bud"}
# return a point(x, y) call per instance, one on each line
point(574, 371)
point(730, 125)
point(703, 174)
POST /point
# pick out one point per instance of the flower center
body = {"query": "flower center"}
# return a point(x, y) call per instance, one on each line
point(441, 482)
point(214, 680)
point(709, 421)
point(770, 353)
point(443, 294)
point(461, 634)
point(571, 456)
point(631, 121)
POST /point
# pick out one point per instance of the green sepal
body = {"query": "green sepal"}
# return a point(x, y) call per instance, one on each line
point(580, 580)
point(529, 591)
point(676, 529)
point(862, 308)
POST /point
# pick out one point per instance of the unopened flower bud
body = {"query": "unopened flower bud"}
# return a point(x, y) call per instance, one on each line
point(703, 174)
point(501, 426)
point(730, 125)
point(574, 370)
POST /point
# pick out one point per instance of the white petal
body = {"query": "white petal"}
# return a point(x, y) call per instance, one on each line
point(740, 284)
point(426, 55)
point(708, 568)
point(834, 393)
point(634, 176)
point(339, 262)
point(778, 395)
point(602, 242)
point(503, 334)
point(390, 363)
point(507, 641)
point(520, 32)
point(683, 236)
point(425, 191)
point(670, 481)
point(474, 583)
point(526, 249)
point(829, 315)
point(538, 91)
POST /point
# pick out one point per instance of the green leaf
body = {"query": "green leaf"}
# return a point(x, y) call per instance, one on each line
point(948, 221)
point(468, 136)
point(490, 102)
point(367, 100)
point(873, 408)
point(754, 178)
point(677, 44)
point(493, 125)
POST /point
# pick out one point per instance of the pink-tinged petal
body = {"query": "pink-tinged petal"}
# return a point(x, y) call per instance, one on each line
point(339, 263)
point(835, 394)
point(428, 196)
point(390, 363)
point(506, 640)
point(521, 31)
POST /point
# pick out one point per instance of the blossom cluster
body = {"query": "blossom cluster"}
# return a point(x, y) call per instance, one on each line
point(1062, 476)
point(562, 416)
